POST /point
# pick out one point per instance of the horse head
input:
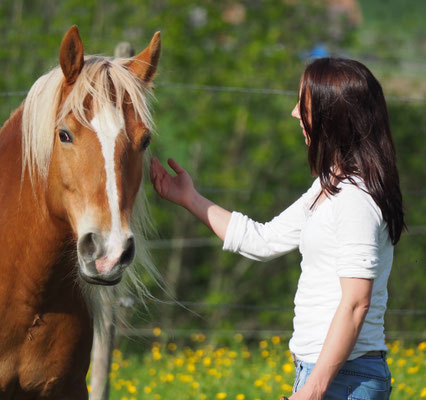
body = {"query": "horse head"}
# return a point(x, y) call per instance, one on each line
point(95, 143)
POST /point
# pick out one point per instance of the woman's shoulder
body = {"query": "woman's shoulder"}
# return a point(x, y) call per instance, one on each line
point(353, 196)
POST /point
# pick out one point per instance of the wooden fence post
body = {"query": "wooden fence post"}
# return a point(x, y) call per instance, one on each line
point(103, 345)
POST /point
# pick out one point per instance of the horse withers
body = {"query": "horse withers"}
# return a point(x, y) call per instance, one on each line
point(70, 169)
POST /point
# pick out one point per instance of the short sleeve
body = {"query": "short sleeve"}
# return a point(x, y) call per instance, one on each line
point(358, 222)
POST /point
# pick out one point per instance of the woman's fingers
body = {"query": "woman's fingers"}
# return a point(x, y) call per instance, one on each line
point(175, 166)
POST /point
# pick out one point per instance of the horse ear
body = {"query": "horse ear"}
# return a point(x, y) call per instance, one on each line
point(144, 65)
point(71, 55)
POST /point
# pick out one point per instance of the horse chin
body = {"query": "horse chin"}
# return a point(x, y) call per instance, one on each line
point(100, 281)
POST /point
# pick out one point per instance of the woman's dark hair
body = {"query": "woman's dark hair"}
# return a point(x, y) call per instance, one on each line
point(345, 117)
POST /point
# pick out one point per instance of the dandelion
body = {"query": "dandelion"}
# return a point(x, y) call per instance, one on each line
point(276, 340)
point(263, 344)
point(423, 392)
point(258, 383)
point(238, 337)
point(265, 353)
point(401, 362)
point(89, 388)
point(147, 389)
point(132, 389)
point(287, 368)
point(422, 346)
point(172, 346)
point(195, 385)
point(221, 396)
point(156, 331)
point(207, 361)
point(240, 396)
point(115, 366)
point(413, 370)
point(286, 387)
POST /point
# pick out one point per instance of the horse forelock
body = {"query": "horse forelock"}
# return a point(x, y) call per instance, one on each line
point(106, 82)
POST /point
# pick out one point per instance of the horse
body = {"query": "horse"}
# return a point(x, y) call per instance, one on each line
point(71, 166)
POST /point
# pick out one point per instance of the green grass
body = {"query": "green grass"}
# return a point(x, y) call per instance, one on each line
point(237, 372)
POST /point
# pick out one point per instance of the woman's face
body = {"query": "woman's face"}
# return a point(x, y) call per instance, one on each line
point(296, 114)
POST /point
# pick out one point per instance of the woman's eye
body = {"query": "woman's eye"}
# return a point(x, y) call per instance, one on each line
point(145, 142)
point(64, 136)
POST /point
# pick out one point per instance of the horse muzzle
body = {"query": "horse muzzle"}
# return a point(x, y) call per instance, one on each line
point(103, 260)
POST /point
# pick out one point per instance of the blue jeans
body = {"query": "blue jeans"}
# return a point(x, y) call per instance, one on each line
point(365, 378)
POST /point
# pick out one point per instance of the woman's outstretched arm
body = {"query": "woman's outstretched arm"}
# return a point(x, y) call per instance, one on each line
point(180, 189)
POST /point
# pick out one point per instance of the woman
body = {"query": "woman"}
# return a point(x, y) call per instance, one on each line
point(345, 227)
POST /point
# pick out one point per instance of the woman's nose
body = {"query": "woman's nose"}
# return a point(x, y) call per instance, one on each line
point(295, 113)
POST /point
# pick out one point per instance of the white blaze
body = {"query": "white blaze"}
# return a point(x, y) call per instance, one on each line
point(107, 127)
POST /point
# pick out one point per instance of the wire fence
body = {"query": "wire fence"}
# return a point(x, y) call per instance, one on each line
point(235, 89)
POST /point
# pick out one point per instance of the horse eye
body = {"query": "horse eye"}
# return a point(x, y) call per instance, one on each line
point(64, 136)
point(145, 142)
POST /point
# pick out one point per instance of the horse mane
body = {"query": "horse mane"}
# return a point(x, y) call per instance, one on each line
point(109, 84)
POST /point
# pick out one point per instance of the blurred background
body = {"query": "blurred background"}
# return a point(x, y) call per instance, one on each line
point(227, 82)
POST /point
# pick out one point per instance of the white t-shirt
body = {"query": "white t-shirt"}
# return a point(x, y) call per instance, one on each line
point(344, 236)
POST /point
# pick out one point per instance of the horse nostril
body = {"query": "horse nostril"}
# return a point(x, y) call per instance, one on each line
point(129, 253)
point(89, 246)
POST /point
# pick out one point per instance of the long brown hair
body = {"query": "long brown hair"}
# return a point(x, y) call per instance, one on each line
point(345, 117)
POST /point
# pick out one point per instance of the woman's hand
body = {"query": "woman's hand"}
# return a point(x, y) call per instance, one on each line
point(177, 189)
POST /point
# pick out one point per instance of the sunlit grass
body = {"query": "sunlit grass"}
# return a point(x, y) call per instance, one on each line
point(237, 372)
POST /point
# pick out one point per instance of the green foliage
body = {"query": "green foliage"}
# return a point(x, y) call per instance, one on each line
point(243, 149)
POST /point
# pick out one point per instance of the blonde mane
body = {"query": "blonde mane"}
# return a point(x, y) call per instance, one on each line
point(106, 80)
point(109, 84)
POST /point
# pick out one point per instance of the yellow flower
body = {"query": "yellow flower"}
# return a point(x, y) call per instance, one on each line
point(190, 367)
point(413, 370)
point(221, 396)
point(157, 396)
point(116, 353)
point(89, 389)
point(287, 368)
point(390, 360)
point(265, 353)
point(238, 337)
point(258, 383)
point(115, 366)
point(278, 378)
point(409, 352)
point(423, 392)
point(156, 331)
point(275, 340)
point(263, 344)
point(246, 354)
point(147, 389)
point(152, 371)
point(422, 346)
point(233, 354)
point(401, 362)
point(132, 389)
point(170, 377)
point(207, 361)
point(195, 385)
point(172, 346)
point(392, 381)
point(240, 397)
point(203, 396)
point(286, 387)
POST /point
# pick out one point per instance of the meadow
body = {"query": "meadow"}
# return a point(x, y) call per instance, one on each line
point(238, 371)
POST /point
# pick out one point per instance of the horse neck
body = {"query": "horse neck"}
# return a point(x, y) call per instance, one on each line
point(32, 240)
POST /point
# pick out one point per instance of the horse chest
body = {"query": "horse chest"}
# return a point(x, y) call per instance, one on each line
point(52, 355)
